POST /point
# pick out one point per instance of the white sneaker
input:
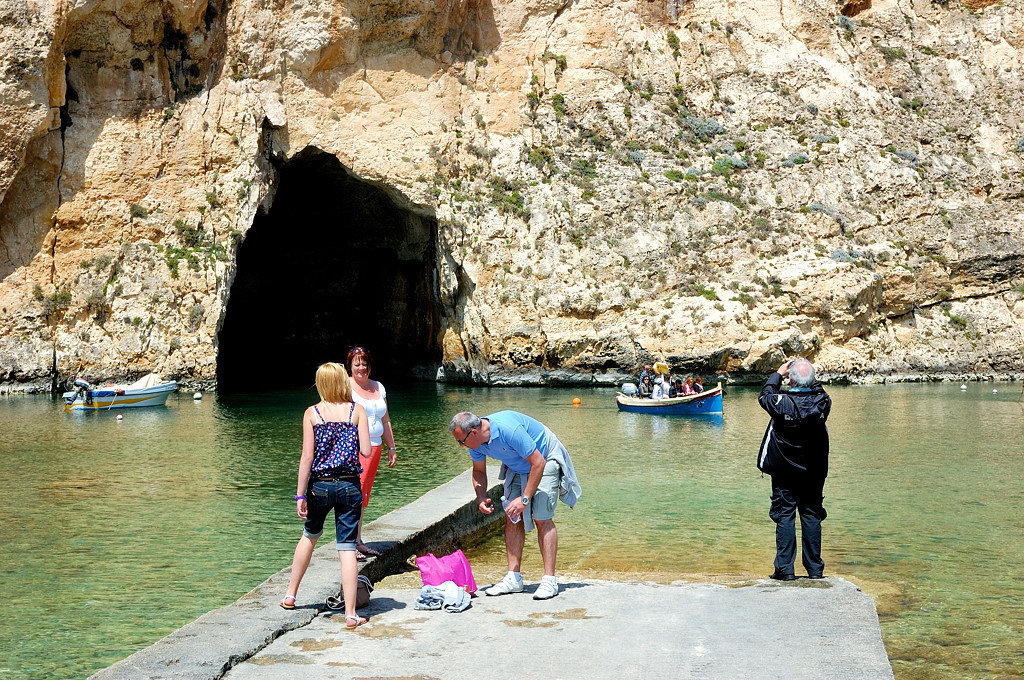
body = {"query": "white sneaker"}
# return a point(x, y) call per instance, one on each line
point(505, 586)
point(547, 589)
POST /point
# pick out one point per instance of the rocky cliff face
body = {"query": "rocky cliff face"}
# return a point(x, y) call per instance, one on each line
point(521, 192)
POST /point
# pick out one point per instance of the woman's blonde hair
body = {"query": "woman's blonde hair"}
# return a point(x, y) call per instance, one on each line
point(332, 382)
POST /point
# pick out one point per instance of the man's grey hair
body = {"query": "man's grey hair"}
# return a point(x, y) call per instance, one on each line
point(801, 373)
point(465, 421)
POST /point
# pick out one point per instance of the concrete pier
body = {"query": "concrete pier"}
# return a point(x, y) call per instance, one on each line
point(593, 629)
point(597, 629)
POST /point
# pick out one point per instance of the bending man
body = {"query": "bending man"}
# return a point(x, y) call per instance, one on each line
point(537, 471)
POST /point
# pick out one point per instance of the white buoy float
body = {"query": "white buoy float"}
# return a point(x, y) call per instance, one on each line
point(995, 391)
point(963, 387)
point(197, 396)
point(120, 417)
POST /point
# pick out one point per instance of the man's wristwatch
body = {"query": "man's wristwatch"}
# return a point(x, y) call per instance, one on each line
point(525, 500)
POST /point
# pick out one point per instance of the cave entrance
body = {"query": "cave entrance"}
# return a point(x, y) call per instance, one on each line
point(334, 263)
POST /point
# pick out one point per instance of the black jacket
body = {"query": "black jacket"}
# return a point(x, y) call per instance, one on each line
point(796, 440)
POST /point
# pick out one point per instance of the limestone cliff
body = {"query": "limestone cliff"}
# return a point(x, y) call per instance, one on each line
point(520, 191)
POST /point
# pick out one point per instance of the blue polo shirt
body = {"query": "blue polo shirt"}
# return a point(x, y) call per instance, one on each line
point(514, 437)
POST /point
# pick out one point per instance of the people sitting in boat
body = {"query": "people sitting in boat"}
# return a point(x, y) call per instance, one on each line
point(645, 389)
point(677, 388)
point(698, 384)
point(660, 390)
point(647, 371)
point(688, 386)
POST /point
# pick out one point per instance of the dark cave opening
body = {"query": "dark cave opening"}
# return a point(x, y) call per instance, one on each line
point(334, 263)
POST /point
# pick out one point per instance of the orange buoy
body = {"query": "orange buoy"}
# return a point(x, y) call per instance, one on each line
point(577, 401)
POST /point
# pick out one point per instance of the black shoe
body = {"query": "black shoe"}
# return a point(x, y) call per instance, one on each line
point(816, 576)
point(780, 576)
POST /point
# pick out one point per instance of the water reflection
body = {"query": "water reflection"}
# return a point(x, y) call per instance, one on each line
point(640, 427)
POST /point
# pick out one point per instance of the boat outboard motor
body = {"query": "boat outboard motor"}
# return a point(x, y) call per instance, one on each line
point(629, 389)
point(83, 389)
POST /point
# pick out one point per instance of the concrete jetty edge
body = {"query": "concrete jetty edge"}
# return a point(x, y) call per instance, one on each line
point(211, 645)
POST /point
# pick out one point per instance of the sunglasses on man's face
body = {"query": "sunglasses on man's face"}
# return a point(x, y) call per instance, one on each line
point(462, 442)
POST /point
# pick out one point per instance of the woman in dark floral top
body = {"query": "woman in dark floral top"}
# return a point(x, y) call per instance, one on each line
point(335, 434)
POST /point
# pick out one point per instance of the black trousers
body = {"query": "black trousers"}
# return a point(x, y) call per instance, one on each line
point(789, 496)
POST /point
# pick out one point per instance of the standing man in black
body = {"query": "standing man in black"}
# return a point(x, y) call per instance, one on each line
point(794, 452)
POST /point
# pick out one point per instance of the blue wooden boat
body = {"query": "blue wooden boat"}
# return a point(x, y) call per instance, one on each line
point(708, 402)
point(148, 391)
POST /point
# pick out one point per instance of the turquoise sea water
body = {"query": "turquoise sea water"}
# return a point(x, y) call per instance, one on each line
point(115, 533)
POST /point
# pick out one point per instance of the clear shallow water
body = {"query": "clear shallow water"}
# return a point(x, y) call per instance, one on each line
point(116, 533)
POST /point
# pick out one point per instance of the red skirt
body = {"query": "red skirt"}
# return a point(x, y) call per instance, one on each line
point(369, 472)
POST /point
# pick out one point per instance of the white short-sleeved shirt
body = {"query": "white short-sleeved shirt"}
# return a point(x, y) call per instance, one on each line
point(375, 409)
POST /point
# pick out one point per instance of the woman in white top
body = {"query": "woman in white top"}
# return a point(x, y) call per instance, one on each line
point(372, 396)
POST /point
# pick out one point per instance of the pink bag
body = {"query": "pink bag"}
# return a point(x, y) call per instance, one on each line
point(455, 567)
